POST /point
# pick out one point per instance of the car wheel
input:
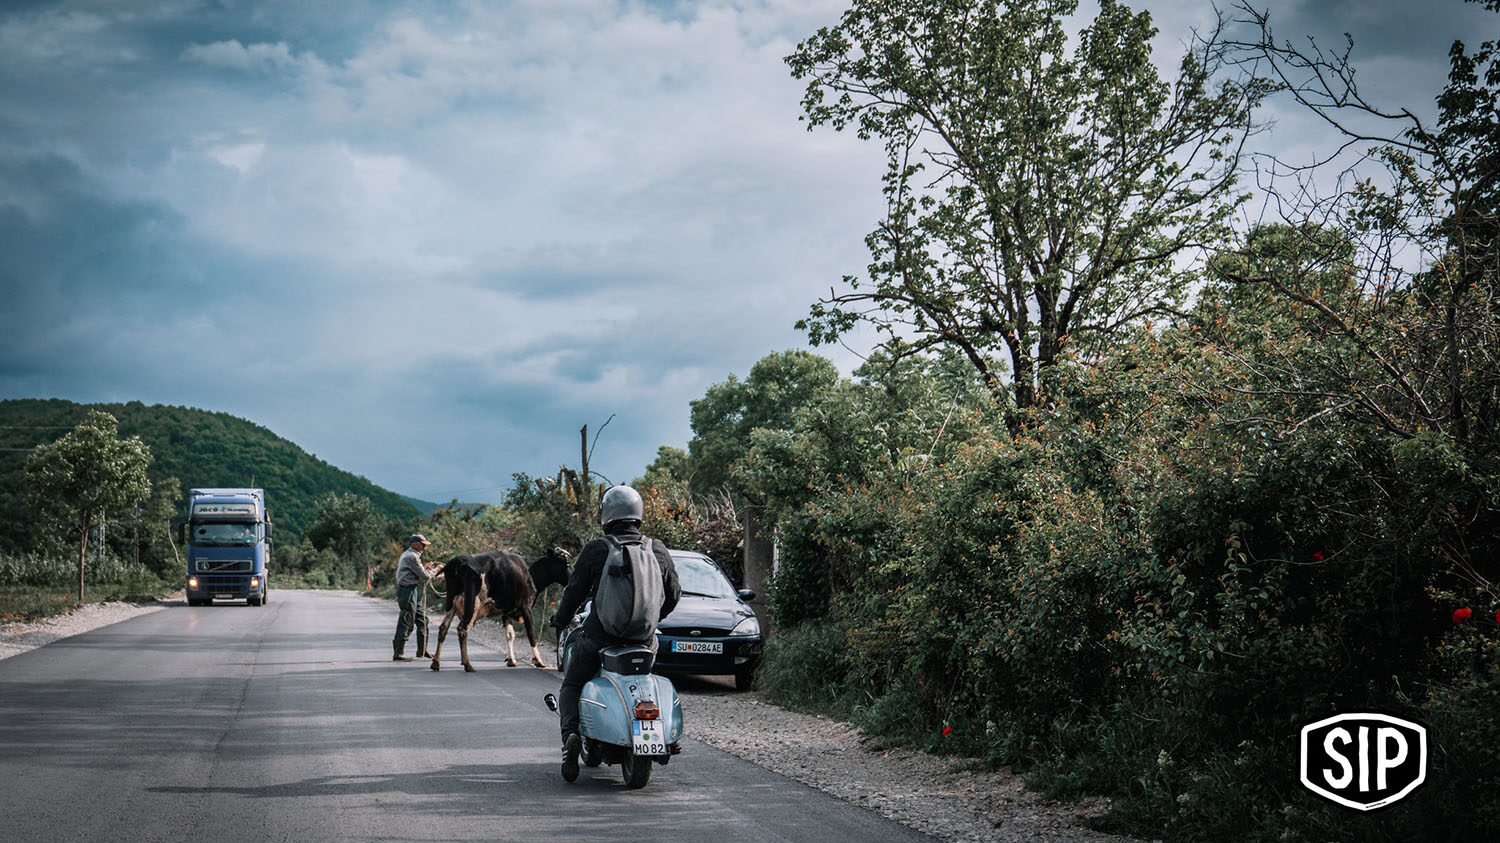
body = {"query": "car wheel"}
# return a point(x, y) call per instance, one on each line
point(636, 770)
point(743, 678)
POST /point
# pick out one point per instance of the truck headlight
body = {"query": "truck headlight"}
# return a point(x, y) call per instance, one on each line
point(748, 626)
point(192, 582)
point(255, 582)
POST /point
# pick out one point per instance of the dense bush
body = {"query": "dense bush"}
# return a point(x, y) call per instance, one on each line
point(1151, 589)
point(59, 570)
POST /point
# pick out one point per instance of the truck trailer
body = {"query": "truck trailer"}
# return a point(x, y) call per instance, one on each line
point(228, 538)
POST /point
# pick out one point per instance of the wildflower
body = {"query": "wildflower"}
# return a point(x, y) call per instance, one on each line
point(947, 730)
point(1318, 556)
point(1461, 615)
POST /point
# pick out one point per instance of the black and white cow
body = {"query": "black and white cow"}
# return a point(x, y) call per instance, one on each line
point(497, 583)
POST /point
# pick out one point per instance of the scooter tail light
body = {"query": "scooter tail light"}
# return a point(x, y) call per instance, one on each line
point(646, 710)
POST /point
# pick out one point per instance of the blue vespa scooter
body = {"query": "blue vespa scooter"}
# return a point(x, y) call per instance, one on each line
point(627, 715)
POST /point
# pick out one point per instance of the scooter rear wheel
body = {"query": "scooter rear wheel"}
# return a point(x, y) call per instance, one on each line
point(636, 770)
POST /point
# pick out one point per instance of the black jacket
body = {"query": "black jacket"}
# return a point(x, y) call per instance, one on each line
point(585, 580)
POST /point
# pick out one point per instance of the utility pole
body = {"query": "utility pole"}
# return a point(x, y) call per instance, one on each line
point(583, 488)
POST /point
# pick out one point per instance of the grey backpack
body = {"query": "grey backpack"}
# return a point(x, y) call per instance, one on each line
point(628, 600)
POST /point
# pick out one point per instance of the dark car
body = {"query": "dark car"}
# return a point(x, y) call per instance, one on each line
point(712, 630)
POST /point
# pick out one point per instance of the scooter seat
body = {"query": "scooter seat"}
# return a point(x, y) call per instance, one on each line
point(628, 661)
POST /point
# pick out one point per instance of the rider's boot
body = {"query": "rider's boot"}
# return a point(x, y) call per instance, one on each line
point(400, 648)
point(572, 745)
point(422, 647)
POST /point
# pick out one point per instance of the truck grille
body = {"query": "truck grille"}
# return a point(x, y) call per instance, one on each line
point(217, 582)
point(224, 566)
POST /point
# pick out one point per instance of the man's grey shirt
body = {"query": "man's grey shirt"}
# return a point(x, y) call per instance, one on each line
point(409, 570)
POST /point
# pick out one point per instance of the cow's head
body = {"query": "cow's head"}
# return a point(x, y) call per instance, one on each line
point(551, 567)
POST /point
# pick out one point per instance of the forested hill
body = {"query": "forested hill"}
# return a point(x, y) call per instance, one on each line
point(199, 448)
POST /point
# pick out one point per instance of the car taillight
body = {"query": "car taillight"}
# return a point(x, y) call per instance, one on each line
point(646, 710)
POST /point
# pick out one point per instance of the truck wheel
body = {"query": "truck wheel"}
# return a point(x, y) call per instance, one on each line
point(636, 770)
point(253, 600)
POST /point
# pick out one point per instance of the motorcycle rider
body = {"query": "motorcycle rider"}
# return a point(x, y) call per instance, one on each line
point(620, 512)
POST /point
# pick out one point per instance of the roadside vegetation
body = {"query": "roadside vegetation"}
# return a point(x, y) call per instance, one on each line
point(1131, 493)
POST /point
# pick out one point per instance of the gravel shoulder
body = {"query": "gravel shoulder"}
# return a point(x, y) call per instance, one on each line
point(933, 794)
point(17, 638)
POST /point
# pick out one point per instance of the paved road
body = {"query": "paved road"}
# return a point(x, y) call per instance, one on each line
point(290, 722)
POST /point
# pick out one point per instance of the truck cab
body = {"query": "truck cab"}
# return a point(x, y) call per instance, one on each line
point(228, 538)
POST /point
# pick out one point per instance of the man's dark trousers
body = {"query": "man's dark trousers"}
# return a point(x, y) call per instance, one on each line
point(583, 665)
point(411, 615)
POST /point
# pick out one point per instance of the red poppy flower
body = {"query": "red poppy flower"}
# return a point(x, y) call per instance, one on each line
point(1461, 615)
point(947, 730)
point(1318, 556)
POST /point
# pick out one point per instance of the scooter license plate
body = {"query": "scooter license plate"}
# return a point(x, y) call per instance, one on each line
point(647, 738)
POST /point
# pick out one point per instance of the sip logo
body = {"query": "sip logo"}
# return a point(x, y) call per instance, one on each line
point(1364, 761)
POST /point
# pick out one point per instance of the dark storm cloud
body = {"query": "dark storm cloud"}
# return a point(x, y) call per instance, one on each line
point(71, 256)
point(1399, 49)
point(429, 242)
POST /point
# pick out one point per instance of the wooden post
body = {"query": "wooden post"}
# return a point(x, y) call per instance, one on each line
point(581, 489)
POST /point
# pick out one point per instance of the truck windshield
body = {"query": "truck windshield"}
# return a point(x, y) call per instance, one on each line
point(224, 534)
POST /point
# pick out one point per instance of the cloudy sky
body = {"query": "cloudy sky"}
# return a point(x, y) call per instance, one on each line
point(428, 241)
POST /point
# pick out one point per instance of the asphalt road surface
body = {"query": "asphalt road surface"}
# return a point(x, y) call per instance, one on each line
point(291, 722)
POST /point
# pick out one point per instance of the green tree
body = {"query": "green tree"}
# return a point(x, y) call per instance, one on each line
point(1035, 199)
point(151, 526)
point(347, 524)
point(726, 415)
point(672, 468)
point(86, 476)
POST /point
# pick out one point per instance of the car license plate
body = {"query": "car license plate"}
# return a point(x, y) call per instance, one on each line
point(224, 596)
point(647, 738)
point(716, 647)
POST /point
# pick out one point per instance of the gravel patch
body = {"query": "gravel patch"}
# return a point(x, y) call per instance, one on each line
point(17, 638)
point(933, 794)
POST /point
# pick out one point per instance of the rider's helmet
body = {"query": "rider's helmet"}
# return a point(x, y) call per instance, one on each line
point(621, 503)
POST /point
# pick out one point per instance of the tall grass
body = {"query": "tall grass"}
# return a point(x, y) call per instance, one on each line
point(37, 585)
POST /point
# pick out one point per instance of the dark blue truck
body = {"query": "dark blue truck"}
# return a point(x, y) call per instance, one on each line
point(228, 537)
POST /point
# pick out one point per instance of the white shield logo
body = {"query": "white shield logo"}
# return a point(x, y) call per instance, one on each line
point(1364, 761)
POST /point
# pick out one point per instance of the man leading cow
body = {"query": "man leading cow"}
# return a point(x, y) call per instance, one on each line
point(620, 511)
point(411, 576)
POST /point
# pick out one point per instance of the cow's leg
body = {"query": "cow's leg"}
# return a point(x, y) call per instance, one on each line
point(536, 655)
point(443, 633)
point(510, 643)
point(470, 616)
